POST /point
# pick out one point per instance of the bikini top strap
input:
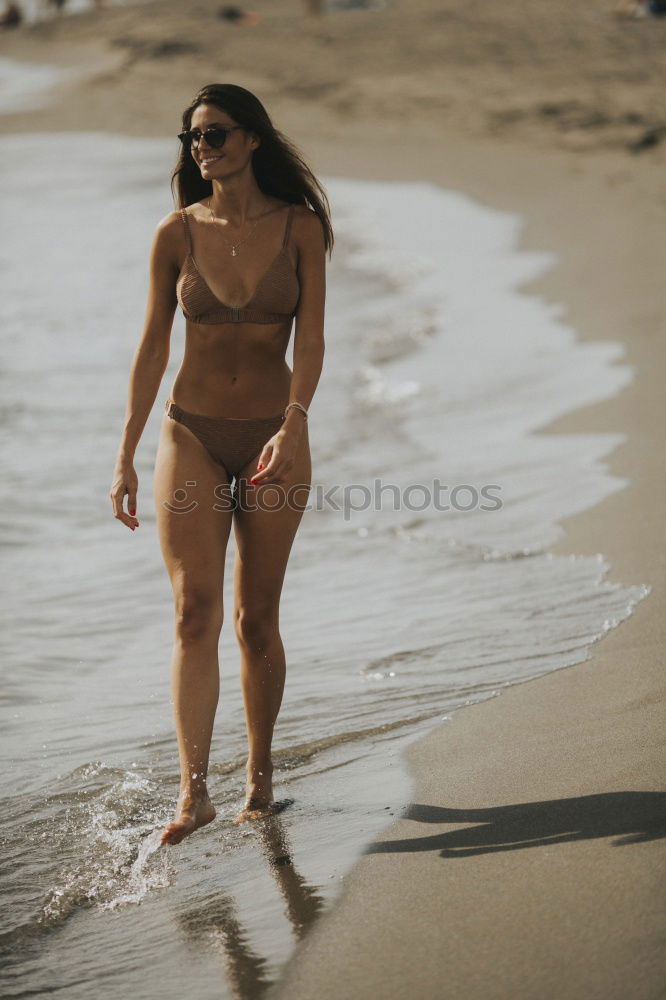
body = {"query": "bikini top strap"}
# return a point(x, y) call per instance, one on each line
point(287, 228)
point(188, 234)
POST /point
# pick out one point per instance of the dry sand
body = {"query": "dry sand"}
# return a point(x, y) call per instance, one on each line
point(531, 864)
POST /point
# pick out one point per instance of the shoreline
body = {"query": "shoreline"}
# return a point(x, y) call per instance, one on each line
point(546, 797)
point(523, 923)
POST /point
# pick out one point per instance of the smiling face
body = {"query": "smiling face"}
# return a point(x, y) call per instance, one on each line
point(236, 150)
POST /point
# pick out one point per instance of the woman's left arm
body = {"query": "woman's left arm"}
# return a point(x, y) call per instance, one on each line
point(309, 333)
point(308, 343)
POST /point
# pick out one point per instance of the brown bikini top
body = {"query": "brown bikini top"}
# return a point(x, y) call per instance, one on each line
point(274, 300)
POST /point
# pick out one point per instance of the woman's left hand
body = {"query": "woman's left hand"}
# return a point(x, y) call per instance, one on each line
point(278, 456)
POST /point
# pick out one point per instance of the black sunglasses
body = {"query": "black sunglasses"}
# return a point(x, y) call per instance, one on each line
point(215, 136)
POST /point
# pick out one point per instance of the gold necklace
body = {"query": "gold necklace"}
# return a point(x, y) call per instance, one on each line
point(234, 246)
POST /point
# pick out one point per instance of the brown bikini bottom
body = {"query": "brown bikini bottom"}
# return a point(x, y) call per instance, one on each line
point(230, 441)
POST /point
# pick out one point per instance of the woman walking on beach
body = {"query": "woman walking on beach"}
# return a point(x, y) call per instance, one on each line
point(243, 255)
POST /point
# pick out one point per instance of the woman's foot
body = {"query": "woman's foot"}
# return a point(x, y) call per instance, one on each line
point(193, 810)
point(258, 793)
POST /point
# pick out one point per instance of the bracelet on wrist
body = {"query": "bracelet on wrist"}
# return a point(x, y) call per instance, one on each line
point(296, 406)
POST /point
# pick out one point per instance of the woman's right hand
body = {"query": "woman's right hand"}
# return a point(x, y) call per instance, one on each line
point(125, 481)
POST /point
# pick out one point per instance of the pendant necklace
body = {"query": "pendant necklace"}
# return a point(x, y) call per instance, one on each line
point(235, 246)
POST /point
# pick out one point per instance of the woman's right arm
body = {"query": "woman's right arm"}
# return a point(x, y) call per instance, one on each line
point(149, 364)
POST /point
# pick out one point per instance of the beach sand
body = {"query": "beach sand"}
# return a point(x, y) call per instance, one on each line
point(530, 863)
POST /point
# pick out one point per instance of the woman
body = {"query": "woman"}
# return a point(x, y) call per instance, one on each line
point(243, 255)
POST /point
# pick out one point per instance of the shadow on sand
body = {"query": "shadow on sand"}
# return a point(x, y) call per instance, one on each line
point(632, 817)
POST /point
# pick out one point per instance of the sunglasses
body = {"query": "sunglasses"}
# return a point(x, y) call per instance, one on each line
point(215, 136)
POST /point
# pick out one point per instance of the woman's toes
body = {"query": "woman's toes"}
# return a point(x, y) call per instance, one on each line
point(255, 810)
point(176, 832)
point(200, 815)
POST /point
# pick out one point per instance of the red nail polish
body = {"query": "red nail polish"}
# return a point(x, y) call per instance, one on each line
point(133, 512)
point(260, 466)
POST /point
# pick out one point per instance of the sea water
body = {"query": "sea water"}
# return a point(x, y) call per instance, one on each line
point(421, 578)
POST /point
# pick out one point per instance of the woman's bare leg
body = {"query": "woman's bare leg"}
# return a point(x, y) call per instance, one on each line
point(193, 537)
point(263, 542)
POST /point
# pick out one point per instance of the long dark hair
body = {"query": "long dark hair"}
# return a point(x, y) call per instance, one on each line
point(279, 168)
